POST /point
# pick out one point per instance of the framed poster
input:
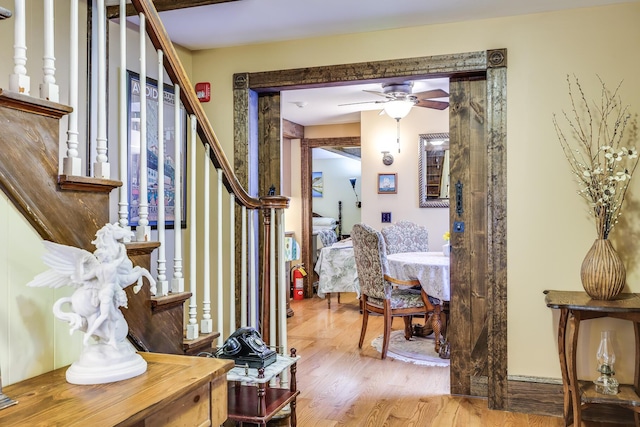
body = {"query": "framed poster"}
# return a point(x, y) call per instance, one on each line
point(387, 183)
point(170, 141)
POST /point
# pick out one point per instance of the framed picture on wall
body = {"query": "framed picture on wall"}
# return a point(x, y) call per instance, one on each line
point(317, 185)
point(387, 183)
point(153, 95)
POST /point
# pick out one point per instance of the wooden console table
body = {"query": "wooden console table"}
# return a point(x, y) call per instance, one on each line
point(175, 390)
point(253, 400)
point(575, 307)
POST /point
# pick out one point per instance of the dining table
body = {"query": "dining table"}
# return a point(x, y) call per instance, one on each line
point(431, 269)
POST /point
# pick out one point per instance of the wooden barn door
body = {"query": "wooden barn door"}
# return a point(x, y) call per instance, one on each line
point(468, 220)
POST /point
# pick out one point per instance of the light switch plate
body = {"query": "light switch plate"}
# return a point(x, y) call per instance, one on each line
point(386, 216)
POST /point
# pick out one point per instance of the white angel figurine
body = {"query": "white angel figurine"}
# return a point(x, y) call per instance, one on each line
point(100, 279)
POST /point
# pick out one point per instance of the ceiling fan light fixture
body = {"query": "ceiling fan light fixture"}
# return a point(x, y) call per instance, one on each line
point(398, 109)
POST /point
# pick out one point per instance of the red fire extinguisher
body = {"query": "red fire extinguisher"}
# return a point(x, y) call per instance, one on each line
point(298, 282)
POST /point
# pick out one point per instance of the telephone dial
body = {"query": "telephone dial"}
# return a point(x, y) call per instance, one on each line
point(245, 347)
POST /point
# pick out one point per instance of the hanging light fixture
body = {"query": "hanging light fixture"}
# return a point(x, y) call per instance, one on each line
point(398, 109)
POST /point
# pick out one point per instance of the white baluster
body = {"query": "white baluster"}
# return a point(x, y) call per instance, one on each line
point(101, 168)
point(48, 88)
point(143, 230)
point(232, 262)
point(72, 164)
point(272, 278)
point(243, 270)
point(19, 81)
point(192, 327)
point(219, 282)
point(283, 294)
point(162, 284)
point(206, 324)
point(123, 203)
point(253, 289)
point(177, 284)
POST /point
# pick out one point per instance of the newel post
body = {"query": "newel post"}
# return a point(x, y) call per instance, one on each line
point(268, 205)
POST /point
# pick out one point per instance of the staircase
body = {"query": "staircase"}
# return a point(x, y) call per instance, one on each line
point(69, 209)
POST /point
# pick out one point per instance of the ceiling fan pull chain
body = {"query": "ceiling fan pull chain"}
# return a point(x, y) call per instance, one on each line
point(398, 137)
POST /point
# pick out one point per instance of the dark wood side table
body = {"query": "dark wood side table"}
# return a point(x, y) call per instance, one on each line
point(575, 307)
point(251, 397)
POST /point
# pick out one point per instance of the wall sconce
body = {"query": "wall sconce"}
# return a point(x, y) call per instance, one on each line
point(353, 185)
point(387, 158)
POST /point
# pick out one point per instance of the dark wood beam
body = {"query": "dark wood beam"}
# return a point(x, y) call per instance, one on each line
point(348, 152)
point(163, 6)
point(346, 141)
point(292, 130)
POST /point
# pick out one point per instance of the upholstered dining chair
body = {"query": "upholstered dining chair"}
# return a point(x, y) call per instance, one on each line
point(406, 236)
point(378, 292)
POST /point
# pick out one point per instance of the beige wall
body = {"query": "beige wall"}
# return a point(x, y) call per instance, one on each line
point(548, 232)
point(379, 133)
point(332, 131)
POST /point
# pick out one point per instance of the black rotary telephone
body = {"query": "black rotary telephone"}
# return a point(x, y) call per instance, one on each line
point(245, 347)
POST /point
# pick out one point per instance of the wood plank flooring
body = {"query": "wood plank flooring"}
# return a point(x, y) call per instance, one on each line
point(342, 385)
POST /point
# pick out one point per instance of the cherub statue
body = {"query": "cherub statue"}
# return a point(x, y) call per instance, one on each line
point(100, 279)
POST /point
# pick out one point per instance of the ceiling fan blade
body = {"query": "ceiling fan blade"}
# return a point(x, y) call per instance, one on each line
point(437, 105)
point(386, 95)
point(435, 93)
point(363, 102)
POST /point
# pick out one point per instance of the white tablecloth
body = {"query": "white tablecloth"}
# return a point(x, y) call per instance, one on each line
point(430, 268)
point(336, 268)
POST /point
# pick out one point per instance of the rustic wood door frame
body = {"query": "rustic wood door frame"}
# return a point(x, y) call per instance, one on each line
point(492, 64)
point(306, 156)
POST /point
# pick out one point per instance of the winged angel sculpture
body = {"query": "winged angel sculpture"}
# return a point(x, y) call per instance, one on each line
point(100, 279)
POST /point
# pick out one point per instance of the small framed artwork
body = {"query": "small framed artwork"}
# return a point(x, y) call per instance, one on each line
point(387, 183)
point(317, 184)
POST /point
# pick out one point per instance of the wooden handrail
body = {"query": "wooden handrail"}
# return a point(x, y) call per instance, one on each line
point(160, 40)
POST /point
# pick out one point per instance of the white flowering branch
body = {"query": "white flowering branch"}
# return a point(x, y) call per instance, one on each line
point(602, 165)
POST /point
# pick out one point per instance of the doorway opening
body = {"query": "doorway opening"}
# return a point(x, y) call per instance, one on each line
point(487, 66)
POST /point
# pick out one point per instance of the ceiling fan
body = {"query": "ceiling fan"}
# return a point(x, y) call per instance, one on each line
point(400, 94)
point(399, 101)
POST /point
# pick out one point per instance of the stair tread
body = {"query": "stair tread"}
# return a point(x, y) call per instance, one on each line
point(85, 183)
point(204, 343)
point(31, 104)
point(141, 248)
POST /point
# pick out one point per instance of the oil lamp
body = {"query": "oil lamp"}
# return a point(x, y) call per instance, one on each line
point(606, 383)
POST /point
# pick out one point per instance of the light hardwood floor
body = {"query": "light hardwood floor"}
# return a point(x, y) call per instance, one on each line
point(342, 385)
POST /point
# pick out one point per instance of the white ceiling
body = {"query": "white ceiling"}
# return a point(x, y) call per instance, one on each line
point(321, 106)
point(261, 21)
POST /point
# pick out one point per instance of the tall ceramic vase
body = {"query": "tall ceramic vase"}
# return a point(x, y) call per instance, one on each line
point(603, 274)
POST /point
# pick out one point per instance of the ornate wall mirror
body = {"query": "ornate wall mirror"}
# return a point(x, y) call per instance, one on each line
point(433, 170)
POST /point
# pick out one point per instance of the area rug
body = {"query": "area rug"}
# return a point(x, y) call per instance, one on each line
point(417, 350)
